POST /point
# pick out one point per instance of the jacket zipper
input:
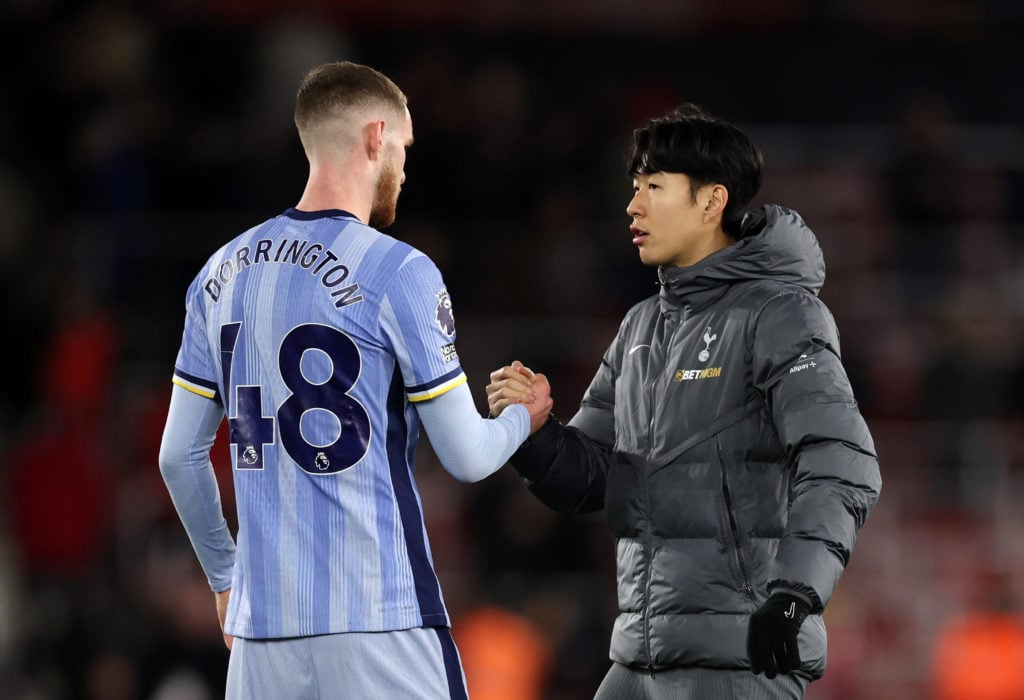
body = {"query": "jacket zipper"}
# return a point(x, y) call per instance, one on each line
point(740, 561)
point(647, 598)
point(647, 543)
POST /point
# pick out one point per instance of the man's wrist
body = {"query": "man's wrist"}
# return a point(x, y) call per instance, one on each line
point(548, 420)
point(789, 592)
point(532, 459)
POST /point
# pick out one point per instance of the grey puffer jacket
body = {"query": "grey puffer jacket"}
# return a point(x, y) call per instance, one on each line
point(723, 441)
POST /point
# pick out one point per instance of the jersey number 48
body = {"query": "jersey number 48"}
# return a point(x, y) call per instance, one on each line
point(251, 432)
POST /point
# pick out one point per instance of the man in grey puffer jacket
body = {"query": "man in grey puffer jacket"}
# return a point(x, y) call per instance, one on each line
point(720, 434)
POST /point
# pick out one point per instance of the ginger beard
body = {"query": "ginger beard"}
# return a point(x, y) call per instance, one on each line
point(385, 200)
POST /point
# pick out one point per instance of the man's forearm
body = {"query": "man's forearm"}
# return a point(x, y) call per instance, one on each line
point(564, 468)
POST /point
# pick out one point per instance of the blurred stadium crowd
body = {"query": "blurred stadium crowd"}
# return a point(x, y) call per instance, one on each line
point(135, 138)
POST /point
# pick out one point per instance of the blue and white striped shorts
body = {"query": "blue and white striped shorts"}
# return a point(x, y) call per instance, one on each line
point(418, 664)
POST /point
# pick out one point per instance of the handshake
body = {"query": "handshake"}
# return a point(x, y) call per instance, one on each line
point(773, 630)
point(517, 383)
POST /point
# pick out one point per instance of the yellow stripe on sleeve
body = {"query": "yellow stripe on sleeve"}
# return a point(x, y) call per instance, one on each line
point(194, 388)
point(438, 390)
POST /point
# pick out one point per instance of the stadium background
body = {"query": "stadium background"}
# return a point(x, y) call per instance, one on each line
point(136, 137)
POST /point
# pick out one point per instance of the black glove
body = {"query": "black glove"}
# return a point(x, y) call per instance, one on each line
point(771, 637)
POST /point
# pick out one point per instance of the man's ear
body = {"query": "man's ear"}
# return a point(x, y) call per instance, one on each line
point(717, 199)
point(373, 138)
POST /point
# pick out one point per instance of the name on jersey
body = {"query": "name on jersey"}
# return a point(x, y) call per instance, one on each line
point(685, 375)
point(320, 262)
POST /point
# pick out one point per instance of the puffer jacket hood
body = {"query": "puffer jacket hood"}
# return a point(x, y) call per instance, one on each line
point(775, 244)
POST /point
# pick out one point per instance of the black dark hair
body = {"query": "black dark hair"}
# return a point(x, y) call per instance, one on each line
point(696, 143)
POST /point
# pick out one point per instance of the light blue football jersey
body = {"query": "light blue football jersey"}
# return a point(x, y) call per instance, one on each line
point(318, 333)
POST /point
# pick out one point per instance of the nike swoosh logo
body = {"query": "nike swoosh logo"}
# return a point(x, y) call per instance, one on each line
point(791, 612)
point(637, 347)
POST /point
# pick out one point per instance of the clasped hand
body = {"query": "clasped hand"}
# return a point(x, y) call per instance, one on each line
point(517, 383)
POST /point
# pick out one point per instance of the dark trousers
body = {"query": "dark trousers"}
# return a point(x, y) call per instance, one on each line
point(624, 683)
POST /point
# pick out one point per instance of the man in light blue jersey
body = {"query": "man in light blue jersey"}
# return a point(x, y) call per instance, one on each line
point(325, 343)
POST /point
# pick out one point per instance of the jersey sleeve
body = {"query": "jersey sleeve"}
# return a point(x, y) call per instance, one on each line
point(470, 446)
point(188, 473)
point(194, 368)
point(419, 324)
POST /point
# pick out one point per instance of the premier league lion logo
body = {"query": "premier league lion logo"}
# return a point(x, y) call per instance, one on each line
point(321, 461)
point(249, 456)
point(443, 313)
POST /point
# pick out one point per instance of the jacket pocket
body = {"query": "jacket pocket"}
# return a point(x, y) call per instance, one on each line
point(734, 540)
point(720, 423)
